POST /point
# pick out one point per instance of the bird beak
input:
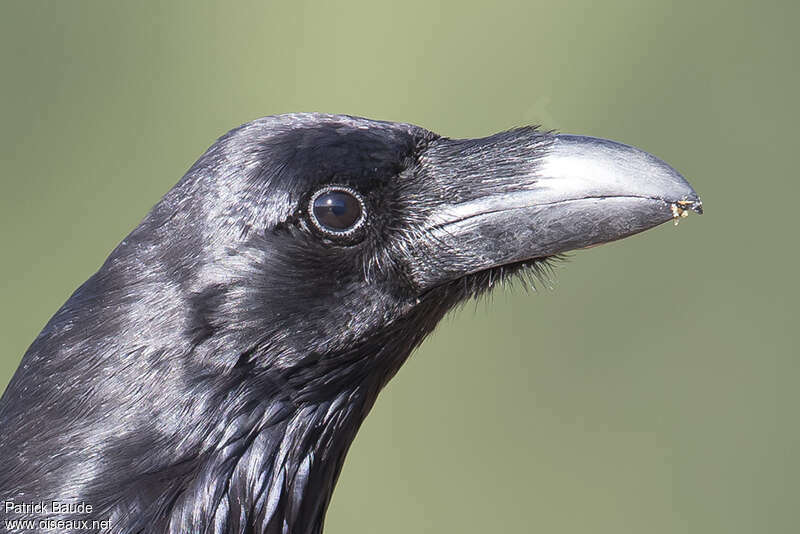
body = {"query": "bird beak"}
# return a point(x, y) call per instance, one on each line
point(524, 195)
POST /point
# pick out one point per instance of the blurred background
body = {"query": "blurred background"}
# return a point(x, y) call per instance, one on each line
point(653, 388)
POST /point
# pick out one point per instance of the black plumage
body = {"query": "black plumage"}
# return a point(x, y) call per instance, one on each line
point(212, 374)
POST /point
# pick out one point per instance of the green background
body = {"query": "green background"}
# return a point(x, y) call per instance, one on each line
point(653, 389)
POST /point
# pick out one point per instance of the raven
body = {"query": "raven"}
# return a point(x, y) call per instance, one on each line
point(212, 374)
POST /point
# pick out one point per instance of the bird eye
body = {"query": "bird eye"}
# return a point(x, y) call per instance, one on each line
point(337, 210)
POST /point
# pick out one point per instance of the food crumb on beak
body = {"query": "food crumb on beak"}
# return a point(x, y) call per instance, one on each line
point(679, 210)
point(676, 213)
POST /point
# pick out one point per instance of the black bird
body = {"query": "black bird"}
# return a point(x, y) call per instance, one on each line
point(212, 374)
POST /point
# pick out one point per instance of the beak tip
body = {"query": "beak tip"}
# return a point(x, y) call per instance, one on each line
point(691, 200)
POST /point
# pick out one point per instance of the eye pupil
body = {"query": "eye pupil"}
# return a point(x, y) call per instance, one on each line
point(336, 210)
point(339, 209)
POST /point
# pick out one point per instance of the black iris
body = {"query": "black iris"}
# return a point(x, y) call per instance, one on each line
point(336, 210)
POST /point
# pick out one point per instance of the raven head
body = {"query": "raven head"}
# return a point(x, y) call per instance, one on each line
point(212, 374)
point(334, 231)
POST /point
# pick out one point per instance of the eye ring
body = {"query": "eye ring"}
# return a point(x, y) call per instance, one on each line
point(337, 211)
